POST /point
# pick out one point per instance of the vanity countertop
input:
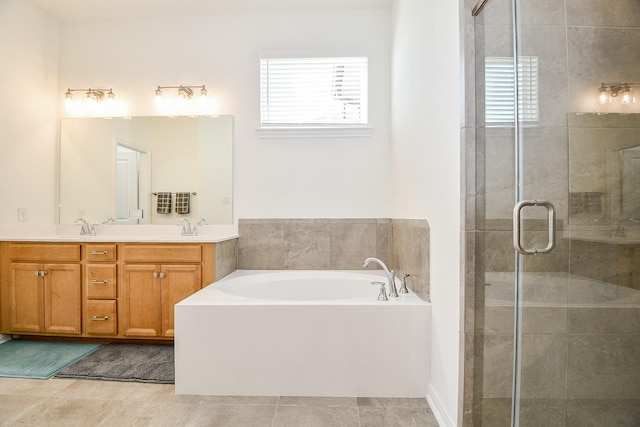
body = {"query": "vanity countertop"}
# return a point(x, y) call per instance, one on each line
point(118, 233)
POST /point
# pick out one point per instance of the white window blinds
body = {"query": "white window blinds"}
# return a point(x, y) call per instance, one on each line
point(313, 92)
point(500, 90)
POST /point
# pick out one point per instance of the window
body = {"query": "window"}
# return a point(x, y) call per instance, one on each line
point(500, 90)
point(317, 92)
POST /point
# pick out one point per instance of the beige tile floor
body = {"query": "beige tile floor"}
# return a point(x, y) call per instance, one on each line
point(63, 402)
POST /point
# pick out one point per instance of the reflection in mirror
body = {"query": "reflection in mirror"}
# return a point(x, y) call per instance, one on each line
point(605, 171)
point(116, 169)
point(630, 184)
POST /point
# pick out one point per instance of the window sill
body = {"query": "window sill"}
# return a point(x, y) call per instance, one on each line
point(314, 132)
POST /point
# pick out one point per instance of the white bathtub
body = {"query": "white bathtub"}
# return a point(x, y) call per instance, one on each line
point(301, 333)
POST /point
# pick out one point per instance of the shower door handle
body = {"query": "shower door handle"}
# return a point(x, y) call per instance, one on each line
point(517, 226)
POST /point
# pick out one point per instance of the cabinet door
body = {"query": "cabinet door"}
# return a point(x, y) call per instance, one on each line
point(140, 301)
point(25, 298)
point(62, 298)
point(179, 282)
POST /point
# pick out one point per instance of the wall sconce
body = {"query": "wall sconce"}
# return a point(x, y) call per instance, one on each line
point(621, 91)
point(92, 96)
point(185, 93)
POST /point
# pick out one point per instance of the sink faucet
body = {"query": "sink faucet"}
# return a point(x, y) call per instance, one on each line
point(86, 227)
point(391, 275)
point(187, 229)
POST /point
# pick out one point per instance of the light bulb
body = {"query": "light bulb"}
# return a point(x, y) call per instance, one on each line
point(203, 97)
point(68, 100)
point(111, 99)
point(603, 96)
point(625, 99)
point(158, 98)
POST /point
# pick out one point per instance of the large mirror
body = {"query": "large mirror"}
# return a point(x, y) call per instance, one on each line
point(146, 170)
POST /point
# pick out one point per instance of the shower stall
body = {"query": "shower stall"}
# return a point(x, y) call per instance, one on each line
point(552, 164)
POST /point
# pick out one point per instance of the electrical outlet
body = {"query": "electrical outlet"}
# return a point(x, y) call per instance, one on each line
point(22, 214)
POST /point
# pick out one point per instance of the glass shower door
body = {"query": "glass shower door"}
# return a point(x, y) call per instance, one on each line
point(557, 295)
point(577, 283)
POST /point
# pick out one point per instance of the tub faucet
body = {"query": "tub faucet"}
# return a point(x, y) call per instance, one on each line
point(391, 275)
point(86, 227)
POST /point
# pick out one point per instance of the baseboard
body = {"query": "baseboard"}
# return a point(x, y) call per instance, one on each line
point(444, 420)
point(4, 338)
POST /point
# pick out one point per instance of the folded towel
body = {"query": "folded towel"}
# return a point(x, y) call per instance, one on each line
point(183, 203)
point(164, 203)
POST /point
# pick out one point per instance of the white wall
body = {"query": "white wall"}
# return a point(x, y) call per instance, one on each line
point(426, 167)
point(28, 125)
point(272, 178)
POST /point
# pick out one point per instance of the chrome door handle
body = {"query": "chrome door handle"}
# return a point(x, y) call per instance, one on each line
point(517, 229)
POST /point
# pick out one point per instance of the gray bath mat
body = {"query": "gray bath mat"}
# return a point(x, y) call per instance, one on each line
point(126, 362)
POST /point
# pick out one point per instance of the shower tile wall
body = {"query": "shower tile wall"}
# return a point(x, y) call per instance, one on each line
point(578, 362)
point(337, 244)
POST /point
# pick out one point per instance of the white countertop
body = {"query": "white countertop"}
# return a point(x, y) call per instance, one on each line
point(118, 233)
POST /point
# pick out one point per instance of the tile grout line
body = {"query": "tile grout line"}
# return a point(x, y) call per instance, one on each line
point(275, 411)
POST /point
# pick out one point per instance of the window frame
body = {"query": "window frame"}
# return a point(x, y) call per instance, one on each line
point(312, 130)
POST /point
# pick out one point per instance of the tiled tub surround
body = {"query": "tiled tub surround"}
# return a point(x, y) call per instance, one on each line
point(337, 244)
point(226, 258)
point(302, 333)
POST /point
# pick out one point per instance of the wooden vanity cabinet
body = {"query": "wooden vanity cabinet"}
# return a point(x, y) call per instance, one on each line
point(155, 278)
point(99, 290)
point(41, 288)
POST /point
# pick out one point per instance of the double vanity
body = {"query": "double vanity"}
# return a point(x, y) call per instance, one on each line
point(116, 286)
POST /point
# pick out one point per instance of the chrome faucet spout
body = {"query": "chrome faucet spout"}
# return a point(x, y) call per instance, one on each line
point(391, 275)
point(86, 227)
point(187, 229)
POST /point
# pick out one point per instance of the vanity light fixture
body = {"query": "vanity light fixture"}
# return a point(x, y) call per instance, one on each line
point(608, 92)
point(185, 93)
point(92, 95)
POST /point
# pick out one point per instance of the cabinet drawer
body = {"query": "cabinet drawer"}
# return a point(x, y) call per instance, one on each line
point(101, 281)
point(43, 252)
point(101, 252)
point(101, 318)
point(163, 253)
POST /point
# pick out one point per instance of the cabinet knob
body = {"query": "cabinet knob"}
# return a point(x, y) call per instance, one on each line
point(100, 318)
point(99, 252)
point(99, 282)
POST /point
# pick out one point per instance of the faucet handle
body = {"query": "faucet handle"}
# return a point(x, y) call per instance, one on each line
point(383, 291)
point(403, 284)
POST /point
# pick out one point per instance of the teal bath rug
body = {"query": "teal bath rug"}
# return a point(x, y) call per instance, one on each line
point(40, 359)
